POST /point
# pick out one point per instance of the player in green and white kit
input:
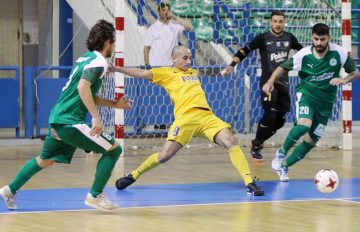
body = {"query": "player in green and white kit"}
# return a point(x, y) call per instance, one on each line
point(67, 127)
point(319, 70)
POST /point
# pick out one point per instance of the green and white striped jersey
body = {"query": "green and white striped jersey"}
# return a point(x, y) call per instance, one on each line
point(315, 74)
point(69, 108)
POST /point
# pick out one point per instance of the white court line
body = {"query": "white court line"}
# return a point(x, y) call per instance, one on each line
point(188, 205)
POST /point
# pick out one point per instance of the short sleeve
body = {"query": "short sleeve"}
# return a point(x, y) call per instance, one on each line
point(159, 74)
point(92, 74)
point(288, 64)
point(257, 42)
point(349, 65)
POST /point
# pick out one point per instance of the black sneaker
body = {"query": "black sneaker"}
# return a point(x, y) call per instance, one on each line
point(125, 181)
point(255, 151)
point(253, 189)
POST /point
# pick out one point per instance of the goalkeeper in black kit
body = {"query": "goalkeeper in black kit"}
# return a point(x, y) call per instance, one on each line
point(274, 47)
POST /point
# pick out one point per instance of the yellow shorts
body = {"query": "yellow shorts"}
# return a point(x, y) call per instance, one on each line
point(196, 123)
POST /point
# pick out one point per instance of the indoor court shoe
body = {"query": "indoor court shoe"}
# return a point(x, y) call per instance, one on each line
point(283, 174)
point(255, 151)
point(100, 202)
point(253, 189)
point(125, 181)
point(277, 160)
point(8, 197)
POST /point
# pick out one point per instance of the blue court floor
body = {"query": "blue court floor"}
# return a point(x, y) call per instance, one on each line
point(72, 199)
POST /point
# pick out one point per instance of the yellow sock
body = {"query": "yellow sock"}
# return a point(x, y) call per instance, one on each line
point(240, 163)
point(151, 162)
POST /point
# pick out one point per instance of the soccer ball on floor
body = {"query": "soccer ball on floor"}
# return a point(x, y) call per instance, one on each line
point(326, 180)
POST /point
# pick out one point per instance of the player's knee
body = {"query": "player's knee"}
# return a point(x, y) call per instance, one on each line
point(279, 123)
point(44, 163)
point(114, 151)
point(268, 118)
point(311, 138)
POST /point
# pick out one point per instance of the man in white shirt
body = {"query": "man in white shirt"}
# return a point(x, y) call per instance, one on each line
point(162, 36)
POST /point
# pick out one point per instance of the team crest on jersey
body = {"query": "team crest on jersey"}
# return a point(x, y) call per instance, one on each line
point(286, 44)
point(333, 62)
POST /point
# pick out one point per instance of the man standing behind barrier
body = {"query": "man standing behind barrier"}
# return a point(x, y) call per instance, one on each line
point(67, 128)
point(193, 117)
point(274, 46)
point(162, 36)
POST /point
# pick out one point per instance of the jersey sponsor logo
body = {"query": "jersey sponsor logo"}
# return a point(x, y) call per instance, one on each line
point(322, 77)
point(190, 78)
point(333, 62)
point(278, 57)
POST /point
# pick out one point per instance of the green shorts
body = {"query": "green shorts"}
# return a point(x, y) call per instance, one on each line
point(62, 140)
point(319, 114)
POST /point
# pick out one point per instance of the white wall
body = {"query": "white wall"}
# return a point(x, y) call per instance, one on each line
point(87, 12)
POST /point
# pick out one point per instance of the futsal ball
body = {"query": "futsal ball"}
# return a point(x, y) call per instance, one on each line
point(326, 180)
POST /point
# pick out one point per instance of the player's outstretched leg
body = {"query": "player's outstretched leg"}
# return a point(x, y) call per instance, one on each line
point(8, 197)
point(125, 181)
point(253, 189)
point(96, 197)
point(276, 165)
point(151, 162)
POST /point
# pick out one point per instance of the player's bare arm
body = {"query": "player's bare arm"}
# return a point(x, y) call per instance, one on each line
point(343, 81)
point(135, 72)
point(88, 100)
point(122, 103)
point(268, 87)
point(237, 58)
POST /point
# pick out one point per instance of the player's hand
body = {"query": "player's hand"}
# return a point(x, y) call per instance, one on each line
point(123, 103)
point(96, 128)
point(111, 68)
point(338, 81)
point(268, 88)
point(227, 71)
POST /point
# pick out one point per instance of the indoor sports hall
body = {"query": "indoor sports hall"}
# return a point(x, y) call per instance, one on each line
point(198, 189)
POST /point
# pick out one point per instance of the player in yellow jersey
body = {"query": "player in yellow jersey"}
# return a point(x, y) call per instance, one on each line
point(193, 117)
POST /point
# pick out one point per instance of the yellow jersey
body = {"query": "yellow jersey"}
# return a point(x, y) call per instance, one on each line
point(184, 88)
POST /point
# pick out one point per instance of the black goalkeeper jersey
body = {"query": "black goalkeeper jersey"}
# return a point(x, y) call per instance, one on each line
point(273, 51)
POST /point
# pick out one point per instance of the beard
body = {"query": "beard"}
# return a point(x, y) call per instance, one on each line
point(320, 49)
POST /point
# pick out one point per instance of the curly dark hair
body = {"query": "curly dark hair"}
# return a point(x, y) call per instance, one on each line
point(99, 34)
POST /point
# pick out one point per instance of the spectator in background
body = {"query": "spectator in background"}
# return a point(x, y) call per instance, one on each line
point(162, 36)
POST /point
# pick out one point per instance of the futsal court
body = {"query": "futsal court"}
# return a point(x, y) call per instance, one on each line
point(198, 190)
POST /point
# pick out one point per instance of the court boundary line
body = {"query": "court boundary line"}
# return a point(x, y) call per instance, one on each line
point(188, 205)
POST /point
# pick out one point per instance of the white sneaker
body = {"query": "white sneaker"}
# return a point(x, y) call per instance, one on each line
point(100, 202)
point(277, 160)
point(8, 197)
point(283, 174)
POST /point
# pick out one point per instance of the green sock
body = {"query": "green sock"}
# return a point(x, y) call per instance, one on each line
point(28, 170)
point(104, 168)
point(298, 154)
point(294, 135)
